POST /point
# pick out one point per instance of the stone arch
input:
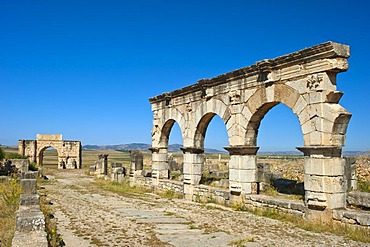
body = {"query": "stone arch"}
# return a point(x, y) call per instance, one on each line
point(204, 115)
point(41, 150)
point(163, 125)
point(340, 129)
point(166, 131)
point(262, 101)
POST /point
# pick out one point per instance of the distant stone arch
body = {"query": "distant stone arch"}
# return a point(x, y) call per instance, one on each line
point(69, 152)
point(305, 81)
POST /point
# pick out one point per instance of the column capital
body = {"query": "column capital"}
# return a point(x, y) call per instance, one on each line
point(192, 150)
point(157, 149)
point(242, 150)
point(321, 151)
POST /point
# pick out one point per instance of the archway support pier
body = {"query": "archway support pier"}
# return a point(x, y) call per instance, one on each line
point(324, 180)
point(160, 163)
point(192, 168)
point(243, 169)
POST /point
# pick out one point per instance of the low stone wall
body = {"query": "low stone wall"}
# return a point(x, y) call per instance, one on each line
point(30, 222)
point(203, 193)
point(293, 207)
point(359, 199)
point(352, 218)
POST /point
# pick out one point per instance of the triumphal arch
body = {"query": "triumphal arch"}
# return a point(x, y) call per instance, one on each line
point(69, 152)
point(304, 81)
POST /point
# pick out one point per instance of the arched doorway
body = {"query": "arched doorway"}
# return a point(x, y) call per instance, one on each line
point(48, 157)
point(280, 167)
point(211, 136)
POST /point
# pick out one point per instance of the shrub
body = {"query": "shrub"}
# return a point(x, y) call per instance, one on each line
point(2, 153)
point(9, 156)
point(33, 167)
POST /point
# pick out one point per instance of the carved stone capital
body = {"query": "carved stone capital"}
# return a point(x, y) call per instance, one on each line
point(192, 150)
point(156, 149)
point(242, 150)
point(321, 151)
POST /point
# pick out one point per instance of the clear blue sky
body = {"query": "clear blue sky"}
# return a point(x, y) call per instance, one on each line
point(86, 69)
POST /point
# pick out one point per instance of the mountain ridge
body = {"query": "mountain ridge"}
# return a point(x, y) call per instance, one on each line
point(176, 148)
point(143, 147)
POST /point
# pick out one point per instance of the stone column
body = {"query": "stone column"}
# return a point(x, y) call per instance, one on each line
point(192, 169)
point(243, 169)
point(324, 181)
point(136, 158)
point(159, 163)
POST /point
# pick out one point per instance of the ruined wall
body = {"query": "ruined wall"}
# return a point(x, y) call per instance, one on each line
point(69, 152)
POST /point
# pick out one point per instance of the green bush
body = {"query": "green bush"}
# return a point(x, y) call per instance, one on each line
point(9, 156)
point(33, 167)
point(2, 153)
point(363, 185)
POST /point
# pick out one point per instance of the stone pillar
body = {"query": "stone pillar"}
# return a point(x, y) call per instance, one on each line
point(102, 164)
point(192, 169)
point(324, 181)
point(136, 159)
point(243, 169)
point(159, 163)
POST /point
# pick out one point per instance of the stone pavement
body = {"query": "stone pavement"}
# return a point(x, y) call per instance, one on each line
point(90, 216)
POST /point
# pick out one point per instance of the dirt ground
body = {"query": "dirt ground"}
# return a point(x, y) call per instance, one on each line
point(88, 215)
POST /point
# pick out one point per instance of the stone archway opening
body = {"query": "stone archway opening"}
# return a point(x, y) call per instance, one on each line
point(211, 136)
point(174, 154)
point(280, 167)
point(48, 157)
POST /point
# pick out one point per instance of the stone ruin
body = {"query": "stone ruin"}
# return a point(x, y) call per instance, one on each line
point(69, 152)
point(30, 221)
point(136, 162)
point(101, 169)
point(305, 81)
point(101, 165)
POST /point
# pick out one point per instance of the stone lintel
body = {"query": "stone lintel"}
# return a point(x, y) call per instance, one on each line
point(192, 150)
point(327, 50)
point(49, 137)
point(321, 151)
point(242, 150)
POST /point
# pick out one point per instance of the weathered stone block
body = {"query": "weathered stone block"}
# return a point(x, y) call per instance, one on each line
point(357, 198)
point(243, 175)
point(192, 168)
point(158, 157)
point(116, 164)
point(243, 162)
point(146, 173)
point(324, 167)
point(29, 175)
point(30, 219)
point(28, 186)
point(325, 184)
point(21, 164)
point(29, 199)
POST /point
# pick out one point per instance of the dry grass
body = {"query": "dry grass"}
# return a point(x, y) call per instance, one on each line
point(356, 234)
point(9, 203)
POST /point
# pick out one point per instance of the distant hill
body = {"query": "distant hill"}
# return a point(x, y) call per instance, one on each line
point(176, 148)
point(143, 147)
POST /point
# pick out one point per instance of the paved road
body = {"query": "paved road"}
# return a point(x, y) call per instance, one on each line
point(87, 215)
